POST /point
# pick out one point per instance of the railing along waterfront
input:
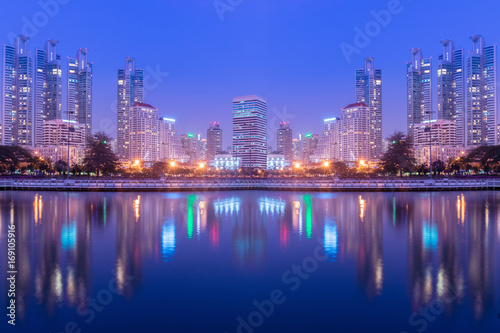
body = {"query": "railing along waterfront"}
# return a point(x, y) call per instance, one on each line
point(214, 184)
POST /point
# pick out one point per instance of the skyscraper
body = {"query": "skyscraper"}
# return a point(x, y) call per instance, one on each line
point(47, 88)
point(167, 138)
point(419, 89)
point(332, 134)
point(144, 133)
point(130, 91)
point(369, 92)
point(214, 140)
point(17, 94)
point(284, 141)
point(249, 131)
point(481, 93)
point(80, 73)
point(354, 133)
point(451, 88)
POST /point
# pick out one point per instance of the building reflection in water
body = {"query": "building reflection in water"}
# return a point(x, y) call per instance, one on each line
point(448, 241)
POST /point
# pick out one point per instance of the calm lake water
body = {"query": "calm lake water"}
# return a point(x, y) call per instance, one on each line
point(253, 261)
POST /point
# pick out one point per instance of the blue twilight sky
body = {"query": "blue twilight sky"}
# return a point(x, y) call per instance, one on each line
point(287, 51)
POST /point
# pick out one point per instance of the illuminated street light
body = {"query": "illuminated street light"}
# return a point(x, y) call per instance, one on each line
point(326, 164)
point(137, 162)
point(362, 163)
point(297, 165)
point(172, 164)
point(202, 165)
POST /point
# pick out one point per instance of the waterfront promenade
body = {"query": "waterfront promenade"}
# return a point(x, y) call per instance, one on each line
point(216, 184)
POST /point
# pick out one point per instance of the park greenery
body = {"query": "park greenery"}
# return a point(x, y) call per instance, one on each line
point(100, 160)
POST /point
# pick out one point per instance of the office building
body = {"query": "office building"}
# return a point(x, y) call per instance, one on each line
point(332, 134)
point(369, 92)
point(419, 90)
point(17, 94)
point(79, 94)
point(190, 144)
point(284, 142)
point(354, 133)
point(57, 131)
point(214, 140)
point(439, 132)
point(249, 131)
point(130, 91)
point(144, 133)
point(481, 94)
point(47, 89)
point(451, 88)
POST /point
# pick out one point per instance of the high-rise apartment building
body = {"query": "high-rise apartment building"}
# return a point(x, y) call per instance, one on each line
point(214, 140)
point(57, 131)
point(481, 94)
point(130, 91)
point(47, 89)
point(369, 92)
point(284, 141)
point(419, 89)
point(332, 134)
point(144, 134)
point(17, 94)
point(354, 133)
point(451, 88)
point(79, 101)
point(249, 131)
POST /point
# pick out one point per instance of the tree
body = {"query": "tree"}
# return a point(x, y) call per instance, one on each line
point(100, 158)
point(438, 167)
point(422, 169)
point(340, 169)
point(61, 167)
point(399, 157)
point(11, 157)
point(158, 169)
point(486, 157)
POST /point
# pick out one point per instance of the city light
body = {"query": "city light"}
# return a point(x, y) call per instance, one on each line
point(362, 163)
point(202, 165)
point(172, 164)
point(137, 162)
point(326, 164)
point(297, 165)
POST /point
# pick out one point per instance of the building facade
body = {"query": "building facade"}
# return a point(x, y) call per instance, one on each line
point(47, 89)
point(17, 94)
point(369, 92)
point(438, 132)
point(130, 91)
point(250, 131)
point(354, 133)
point(284, 142)
point(419, 89)
point(57, 131)
point(214, 140)
point(144, 134)
point(481, 94)
point(79, 93)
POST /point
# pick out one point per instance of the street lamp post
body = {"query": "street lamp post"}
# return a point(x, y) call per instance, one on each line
point(429, 129)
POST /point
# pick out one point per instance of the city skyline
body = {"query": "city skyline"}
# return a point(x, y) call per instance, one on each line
point(292, 87)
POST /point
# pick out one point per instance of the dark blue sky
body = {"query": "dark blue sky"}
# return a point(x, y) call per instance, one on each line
point(287, 51)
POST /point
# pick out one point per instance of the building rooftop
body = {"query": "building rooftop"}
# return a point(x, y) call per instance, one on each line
point(144, 105)
point(355, 105)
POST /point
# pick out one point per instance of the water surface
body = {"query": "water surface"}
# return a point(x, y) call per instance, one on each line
point(213, 261)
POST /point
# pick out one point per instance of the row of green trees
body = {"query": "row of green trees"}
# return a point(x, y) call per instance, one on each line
point(400, 159)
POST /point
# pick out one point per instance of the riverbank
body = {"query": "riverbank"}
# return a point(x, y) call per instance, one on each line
point(225, 184)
